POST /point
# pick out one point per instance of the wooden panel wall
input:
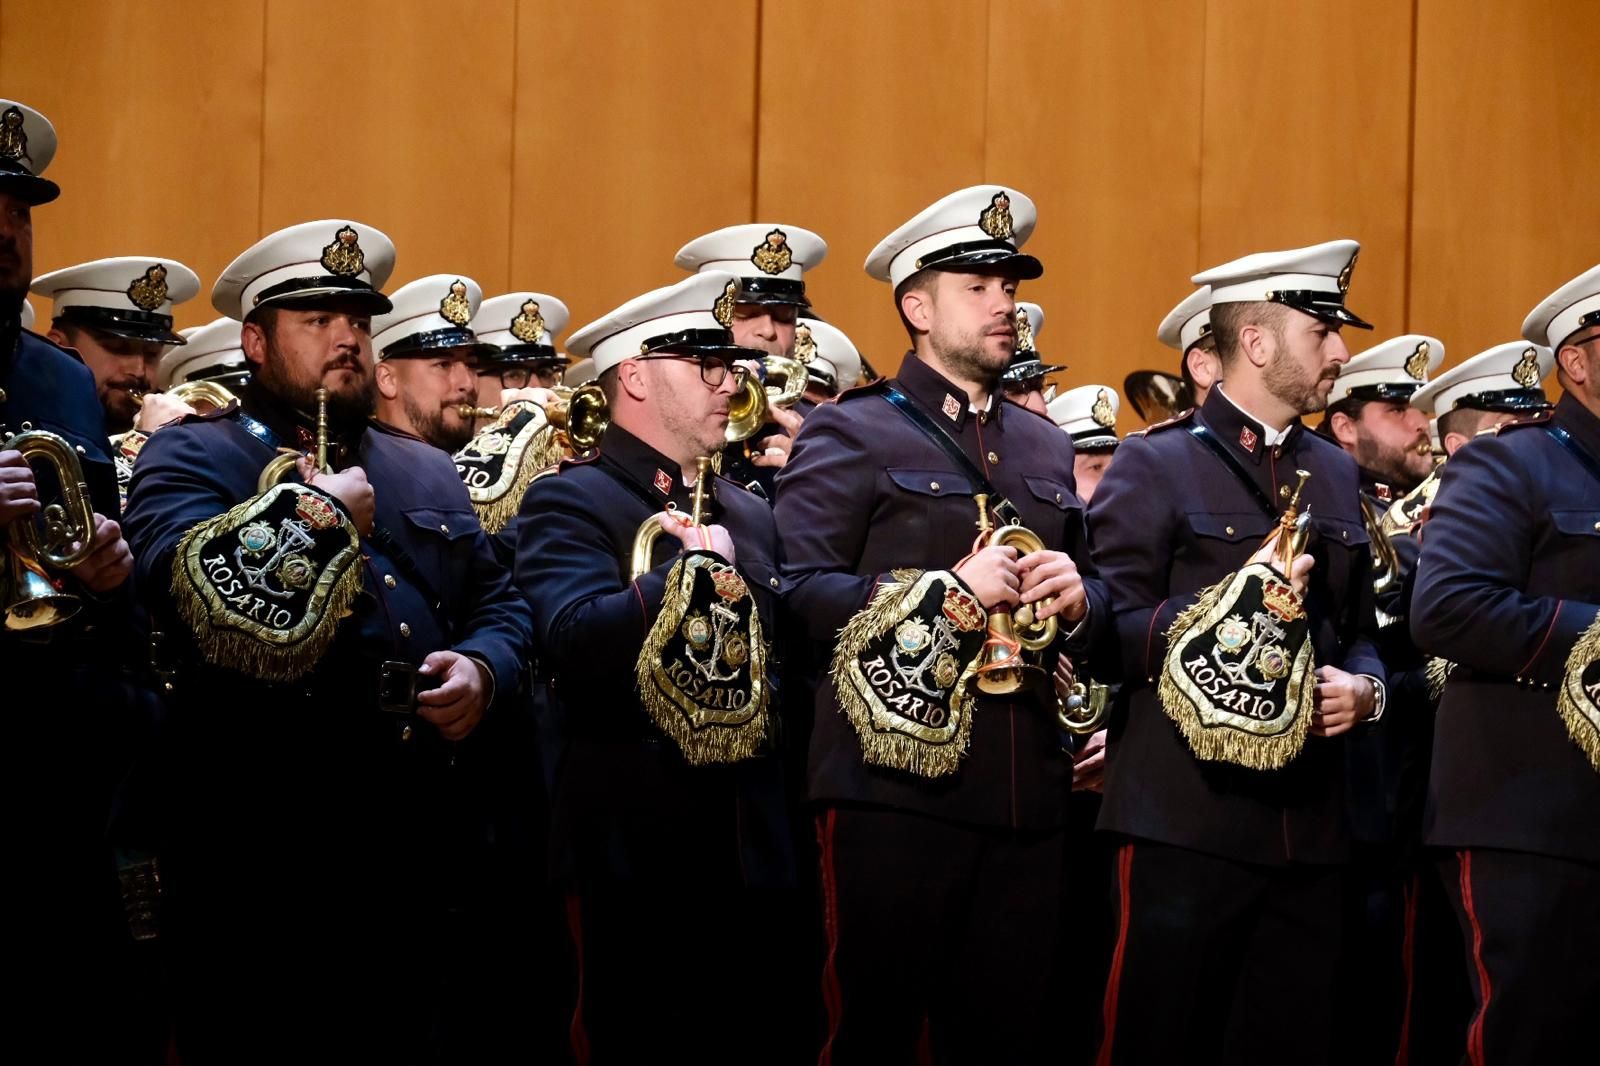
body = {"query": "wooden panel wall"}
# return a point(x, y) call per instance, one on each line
point(573, 148)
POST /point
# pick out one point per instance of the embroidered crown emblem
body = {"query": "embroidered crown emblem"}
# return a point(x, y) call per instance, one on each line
point(1417, 363)
point(1024, 331)
point(1526, 372)
point(149, 290)
point(1344, 275)
point(343, 257)
point(723, 308)
point(1101, 411)
point(454, 308)
point(1279, 598)
point(13, 136)
point(805, 345)
point(772, 256)
point(528, 326)
point(996, 218)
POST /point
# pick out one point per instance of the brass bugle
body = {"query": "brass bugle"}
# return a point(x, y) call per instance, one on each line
point(28, 596)
point(1294, 528)
point(785, 384)
point(467, 410)
point(1010, 633)
point(644, 541)
point(281, 466)
point(581, 414)
point(195, 393)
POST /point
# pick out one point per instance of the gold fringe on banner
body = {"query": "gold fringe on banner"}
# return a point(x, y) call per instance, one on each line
point(1579, 700)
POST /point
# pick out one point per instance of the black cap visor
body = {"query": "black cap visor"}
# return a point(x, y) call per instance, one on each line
point(767, 291)
point(1026, 370)
point(1506, 401)
point(1385, 392)
point(457, 340)
point(1324, 306)
point(26, 185)
point(129, 324)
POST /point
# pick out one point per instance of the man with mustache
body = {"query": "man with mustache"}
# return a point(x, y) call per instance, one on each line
point(1243, 663)
point(427, 359)
point(940, 809)
point(1508, 589)
point(117, 315)
point(66, 679)
point(771, 260)
point(668, 829)
point(333, 634)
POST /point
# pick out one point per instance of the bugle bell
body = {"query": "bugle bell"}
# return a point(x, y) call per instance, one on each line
point(782, 385)
point(31, 598)
point(581, 415)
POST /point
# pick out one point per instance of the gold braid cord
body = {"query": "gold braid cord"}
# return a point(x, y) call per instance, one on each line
point(1436, 673)
point(264, 586)
point(702, 672)
point(1238, 679)
point(901, 671)
point(499, 464)
point(1579, 701)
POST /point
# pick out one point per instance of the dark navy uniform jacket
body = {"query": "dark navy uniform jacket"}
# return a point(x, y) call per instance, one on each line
point(1169, 520)
point(1509, 579)
point(866, 492)
point(625, 805)
point(429, 582)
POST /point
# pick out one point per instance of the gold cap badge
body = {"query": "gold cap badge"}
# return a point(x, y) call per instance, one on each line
point(1024, 332)
point(1344, 275)
point(454, 308)
point(1417, 363)
point(772, 256)
point(1101, 411)
point(1526, 372)
point(528, 326)
point(723, 308)
point(149, 290)
point(13, 136)
point(805, 345)
point(344, 257)
point(996, 218)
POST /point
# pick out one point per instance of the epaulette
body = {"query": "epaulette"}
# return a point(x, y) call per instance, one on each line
point(1538, 418)
point(871, 388)
point(1176, 420)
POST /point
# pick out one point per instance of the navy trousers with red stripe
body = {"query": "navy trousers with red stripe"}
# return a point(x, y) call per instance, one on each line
point(1532, 929)
point(1218, 961)
point(941, 937)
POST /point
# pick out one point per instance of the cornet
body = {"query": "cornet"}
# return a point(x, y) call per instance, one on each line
point(1010, 632)
point(282, 465)
point(644, 541)
point(785, 383)
point(30, 597)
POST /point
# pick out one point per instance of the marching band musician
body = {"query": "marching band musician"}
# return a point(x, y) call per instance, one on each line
point(940, 809)
point(771, 260)
point(667, 818)
point(1508, 588)
point(1088, 414)
point(70, 730)
point(519, 331)
point(1239, 665)
point(340, 622)
point(427, 359)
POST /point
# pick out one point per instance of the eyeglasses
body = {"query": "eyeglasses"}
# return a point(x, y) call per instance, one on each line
point(1022, 388)
point(714, 369)
point(512, 377)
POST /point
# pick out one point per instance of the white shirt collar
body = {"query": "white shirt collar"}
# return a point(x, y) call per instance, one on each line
point(1270, 437)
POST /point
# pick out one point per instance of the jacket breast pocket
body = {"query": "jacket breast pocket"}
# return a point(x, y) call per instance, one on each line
point(1341, 532)
point(927, 518)
point(439, 541)
point(1062, 524)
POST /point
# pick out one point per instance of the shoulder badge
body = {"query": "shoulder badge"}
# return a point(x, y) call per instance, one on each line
point(772, 256)
point(723, 308)
point(149, 290)
point(996, 218)
point(1526, 372)
point(1417, 363)
point(343, 257)
point(528, 326)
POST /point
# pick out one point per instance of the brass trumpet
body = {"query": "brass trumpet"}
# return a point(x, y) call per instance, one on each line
point(644, 541)
point(30, 597)
point(581, 415)
point(282, 466)
point(747, 412)
point(1010, 632)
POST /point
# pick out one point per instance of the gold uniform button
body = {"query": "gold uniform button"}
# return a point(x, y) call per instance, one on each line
point(405, 630)
point(772, 581)
point(1229, 530)
point(80, 449)
point(934, 485)
point(1597, 525)
point(993, 458)
point(1283, 492)
point(2, 395)
point(1058, 497)
point(388, 579)
point(444, 528)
